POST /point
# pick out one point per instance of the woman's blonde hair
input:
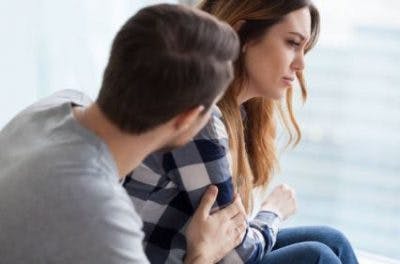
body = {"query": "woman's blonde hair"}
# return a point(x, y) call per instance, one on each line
point(252, 137)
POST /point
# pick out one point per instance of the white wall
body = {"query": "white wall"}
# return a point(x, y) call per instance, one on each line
point(48, 45)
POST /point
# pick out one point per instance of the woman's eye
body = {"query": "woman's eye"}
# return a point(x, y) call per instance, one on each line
point(293, 43)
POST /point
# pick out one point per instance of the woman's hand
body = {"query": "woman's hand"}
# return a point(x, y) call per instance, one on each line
point(281, 201)
point(210, 237)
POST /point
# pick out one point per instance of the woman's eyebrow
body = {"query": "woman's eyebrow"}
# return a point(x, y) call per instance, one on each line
point(299, 35)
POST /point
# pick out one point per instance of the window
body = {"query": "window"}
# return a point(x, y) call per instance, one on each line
point(346, 170)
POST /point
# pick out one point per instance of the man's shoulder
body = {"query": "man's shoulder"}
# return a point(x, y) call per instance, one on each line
point(60, 97)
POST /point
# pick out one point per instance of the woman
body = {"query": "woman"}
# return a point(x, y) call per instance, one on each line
point(236, 151)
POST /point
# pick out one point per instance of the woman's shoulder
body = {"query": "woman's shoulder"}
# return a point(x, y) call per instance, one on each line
point(216, 111)
point(215, 127)
point(211, 136)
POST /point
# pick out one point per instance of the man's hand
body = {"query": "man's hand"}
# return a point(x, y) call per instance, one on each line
point(281, 201)
point(210, 237)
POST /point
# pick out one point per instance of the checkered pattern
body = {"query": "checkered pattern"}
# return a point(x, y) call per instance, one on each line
point(167, 187)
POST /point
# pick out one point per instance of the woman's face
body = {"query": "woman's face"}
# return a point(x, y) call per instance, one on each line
point(272, 62)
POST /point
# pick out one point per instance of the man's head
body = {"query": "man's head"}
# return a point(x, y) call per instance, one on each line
point(167, 61)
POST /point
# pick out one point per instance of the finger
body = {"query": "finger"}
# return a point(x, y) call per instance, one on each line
point(231, 210)
point(280, 186)
point(240, 203)
point(239, 237)
point(207, 201)
point(238, 220)
point(240, 231)
point(295, 206)
point(285, 186)
point(236, 236)
point(276, 190)
point(242, 228)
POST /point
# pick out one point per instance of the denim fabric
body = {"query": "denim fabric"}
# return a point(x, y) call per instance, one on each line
point(311, 245)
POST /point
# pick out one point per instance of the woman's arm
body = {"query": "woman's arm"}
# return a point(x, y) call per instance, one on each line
point(206, 160)
point(227, 226)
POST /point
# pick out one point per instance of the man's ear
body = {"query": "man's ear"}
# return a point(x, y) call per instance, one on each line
point(238, 25)
point(187, 119)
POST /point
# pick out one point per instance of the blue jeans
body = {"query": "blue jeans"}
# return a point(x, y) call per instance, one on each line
point(311, 245)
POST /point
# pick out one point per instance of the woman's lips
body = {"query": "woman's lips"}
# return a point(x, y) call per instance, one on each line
point(288, 80)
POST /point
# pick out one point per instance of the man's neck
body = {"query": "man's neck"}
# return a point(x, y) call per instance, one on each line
point(127, 150)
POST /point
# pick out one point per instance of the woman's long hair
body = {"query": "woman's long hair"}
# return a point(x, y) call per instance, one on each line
point(252, 137)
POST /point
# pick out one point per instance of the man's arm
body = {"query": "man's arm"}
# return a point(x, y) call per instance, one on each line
point(227, 226)
point(92, 220)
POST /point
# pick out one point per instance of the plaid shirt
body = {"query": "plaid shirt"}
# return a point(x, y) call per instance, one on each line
point(167, 187)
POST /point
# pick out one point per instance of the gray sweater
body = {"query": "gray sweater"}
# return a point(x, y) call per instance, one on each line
point(60, 198)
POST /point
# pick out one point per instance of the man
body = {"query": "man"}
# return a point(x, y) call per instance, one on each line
point(63, 159)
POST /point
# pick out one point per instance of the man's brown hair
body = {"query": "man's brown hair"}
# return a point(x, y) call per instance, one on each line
point(165, 60)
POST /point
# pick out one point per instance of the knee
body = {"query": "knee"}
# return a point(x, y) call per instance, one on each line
point(335, 239)
point(319, 252)
point(340, 245)
point(316, 248)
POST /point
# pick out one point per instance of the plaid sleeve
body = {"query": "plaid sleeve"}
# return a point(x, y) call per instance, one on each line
point(206, 160)
point(203, 161)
